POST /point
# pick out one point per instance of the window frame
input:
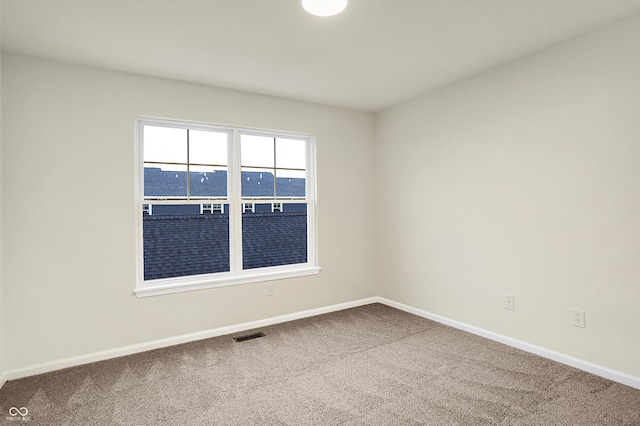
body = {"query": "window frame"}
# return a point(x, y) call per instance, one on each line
point(211, 208)
point(217, 208)
point(248, 207)
point(235, 203)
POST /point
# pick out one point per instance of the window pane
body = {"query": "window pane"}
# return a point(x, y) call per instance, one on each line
point(257, 183)
point(165, 180)
point(179, 241)
point(274, 239)
point(208, 181)
point(290, 183)
point(207, 147)
point(294, 207)
point(256, 151)
point(165, 145)
point(290, 153)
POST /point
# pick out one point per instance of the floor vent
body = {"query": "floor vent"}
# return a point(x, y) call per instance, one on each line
point(248, 337)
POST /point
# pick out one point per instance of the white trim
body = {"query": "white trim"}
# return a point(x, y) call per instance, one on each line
point(267, 200)
point(589, 367)
point(251, 206)
point(179, 284)
point(191, 201)
point(234, 189)
point(236, 208)
point(176, 340)
point(311, 195)
point(209, 208)
point(138, 177)
point(580, 364)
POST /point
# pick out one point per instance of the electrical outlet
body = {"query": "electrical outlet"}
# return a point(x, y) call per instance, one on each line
point(577, 318)
point(508, 302)
point(269, 289)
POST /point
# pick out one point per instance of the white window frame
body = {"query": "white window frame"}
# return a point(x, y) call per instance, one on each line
point(248, 208)
point(235, 202)
point(211, 208)
point(274, 209)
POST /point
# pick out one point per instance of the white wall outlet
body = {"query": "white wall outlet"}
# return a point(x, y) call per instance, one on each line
point(269, 289)
point(508, 302)
point(577, 318)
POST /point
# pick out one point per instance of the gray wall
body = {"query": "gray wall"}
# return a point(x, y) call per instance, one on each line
point(70, 273)
point(522, 180)
point(2, 307)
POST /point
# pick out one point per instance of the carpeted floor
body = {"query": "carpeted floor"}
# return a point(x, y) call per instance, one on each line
point(372, 365)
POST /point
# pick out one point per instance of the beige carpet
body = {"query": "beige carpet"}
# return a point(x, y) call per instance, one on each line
point(371, 365)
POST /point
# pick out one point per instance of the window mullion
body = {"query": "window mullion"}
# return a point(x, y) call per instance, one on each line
point(188, 169)
point(275, 243)
point(235, 207)
point(275, 167)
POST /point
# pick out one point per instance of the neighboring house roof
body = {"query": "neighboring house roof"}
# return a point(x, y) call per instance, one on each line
point(193, 244)
point(181, 245)
point(182, 242)
point(272, 239)
point(158, 183)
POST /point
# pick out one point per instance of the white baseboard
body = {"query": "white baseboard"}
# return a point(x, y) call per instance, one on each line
point(589, 367)
point(176, 340)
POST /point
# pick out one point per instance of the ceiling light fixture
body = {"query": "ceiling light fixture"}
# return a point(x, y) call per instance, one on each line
point(324, 7)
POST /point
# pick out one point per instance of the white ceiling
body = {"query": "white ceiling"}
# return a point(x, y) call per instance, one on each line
point(376, 54)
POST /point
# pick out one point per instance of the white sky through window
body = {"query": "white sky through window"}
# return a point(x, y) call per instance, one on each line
point(169, 145)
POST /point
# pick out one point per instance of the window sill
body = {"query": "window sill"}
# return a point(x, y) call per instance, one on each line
point(169, 286)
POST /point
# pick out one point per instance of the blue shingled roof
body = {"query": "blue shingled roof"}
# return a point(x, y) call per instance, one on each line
point(179, 241)
point(164, 183)
point(273, 239)
point(192, 244)
point(183, 245)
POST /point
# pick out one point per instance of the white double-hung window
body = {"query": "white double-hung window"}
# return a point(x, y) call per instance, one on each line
point(212, 190)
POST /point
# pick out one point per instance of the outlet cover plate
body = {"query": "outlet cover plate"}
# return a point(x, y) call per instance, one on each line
point(577, 318)
point(508, 302)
